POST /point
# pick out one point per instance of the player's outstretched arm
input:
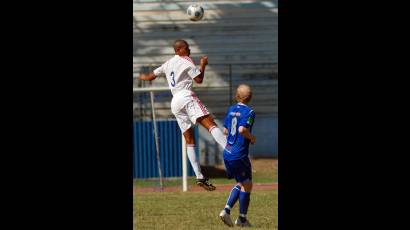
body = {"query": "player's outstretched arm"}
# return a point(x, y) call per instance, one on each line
point(203, 63)
point(147, 76)
point(245, 132)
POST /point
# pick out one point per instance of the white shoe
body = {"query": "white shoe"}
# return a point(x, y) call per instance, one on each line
point(226, 218)
point(239, 223)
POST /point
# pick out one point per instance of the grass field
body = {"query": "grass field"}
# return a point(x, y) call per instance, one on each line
point(200, 210)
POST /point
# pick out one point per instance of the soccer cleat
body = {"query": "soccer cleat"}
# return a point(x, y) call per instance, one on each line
point(226, 218)
point(204, 183)
point(239, 223)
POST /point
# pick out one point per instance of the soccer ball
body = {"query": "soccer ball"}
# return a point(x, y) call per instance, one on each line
point(195, 12)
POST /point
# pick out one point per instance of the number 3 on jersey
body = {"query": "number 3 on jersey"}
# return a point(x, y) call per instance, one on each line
point(232, 135)
point(172, 79)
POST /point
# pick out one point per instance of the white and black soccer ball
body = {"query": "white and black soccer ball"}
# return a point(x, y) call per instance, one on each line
point(195, 12)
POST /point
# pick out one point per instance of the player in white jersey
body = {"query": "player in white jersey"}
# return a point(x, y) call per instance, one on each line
point(180, 70)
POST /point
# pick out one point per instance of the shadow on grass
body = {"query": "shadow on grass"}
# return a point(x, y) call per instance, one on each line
point(213, 172)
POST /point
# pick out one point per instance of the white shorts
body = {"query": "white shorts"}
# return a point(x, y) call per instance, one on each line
point(187, 109)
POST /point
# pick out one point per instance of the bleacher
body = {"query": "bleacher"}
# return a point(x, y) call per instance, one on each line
point(240, 33)
point(239, 38)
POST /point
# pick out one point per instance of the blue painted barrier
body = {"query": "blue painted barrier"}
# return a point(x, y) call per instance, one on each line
point(170, 145)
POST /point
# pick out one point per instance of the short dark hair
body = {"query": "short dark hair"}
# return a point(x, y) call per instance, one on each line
point(176, 43)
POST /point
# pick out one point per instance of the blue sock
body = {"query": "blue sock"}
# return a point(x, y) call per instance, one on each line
point(233, 197)
point(244, 198)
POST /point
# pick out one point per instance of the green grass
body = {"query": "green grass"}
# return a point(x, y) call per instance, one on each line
point(200, 210)
point(264, 171)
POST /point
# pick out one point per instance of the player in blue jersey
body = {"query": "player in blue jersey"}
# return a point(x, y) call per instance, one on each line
point(238, 126)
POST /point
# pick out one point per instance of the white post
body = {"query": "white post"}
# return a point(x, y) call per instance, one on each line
point(154, 121)
point(184, 153)
point(184, 166)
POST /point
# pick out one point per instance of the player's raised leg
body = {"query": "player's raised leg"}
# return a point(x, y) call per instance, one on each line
point(233, 197)
point(208, 122)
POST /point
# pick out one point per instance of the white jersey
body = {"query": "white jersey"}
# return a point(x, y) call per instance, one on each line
point(185, 105)
point(179, 72)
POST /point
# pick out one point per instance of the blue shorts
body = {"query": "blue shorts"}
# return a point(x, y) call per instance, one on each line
point(240, 169)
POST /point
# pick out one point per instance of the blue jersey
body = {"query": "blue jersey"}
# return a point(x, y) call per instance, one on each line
point(238, 146)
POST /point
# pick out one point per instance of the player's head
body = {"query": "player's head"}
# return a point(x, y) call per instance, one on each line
point(243, 93)
point(181, 48)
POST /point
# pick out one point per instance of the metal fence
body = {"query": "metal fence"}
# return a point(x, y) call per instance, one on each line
point(217, 91)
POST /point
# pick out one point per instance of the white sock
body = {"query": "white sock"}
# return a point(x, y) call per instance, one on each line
point(194, 162)
point(218, 136)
